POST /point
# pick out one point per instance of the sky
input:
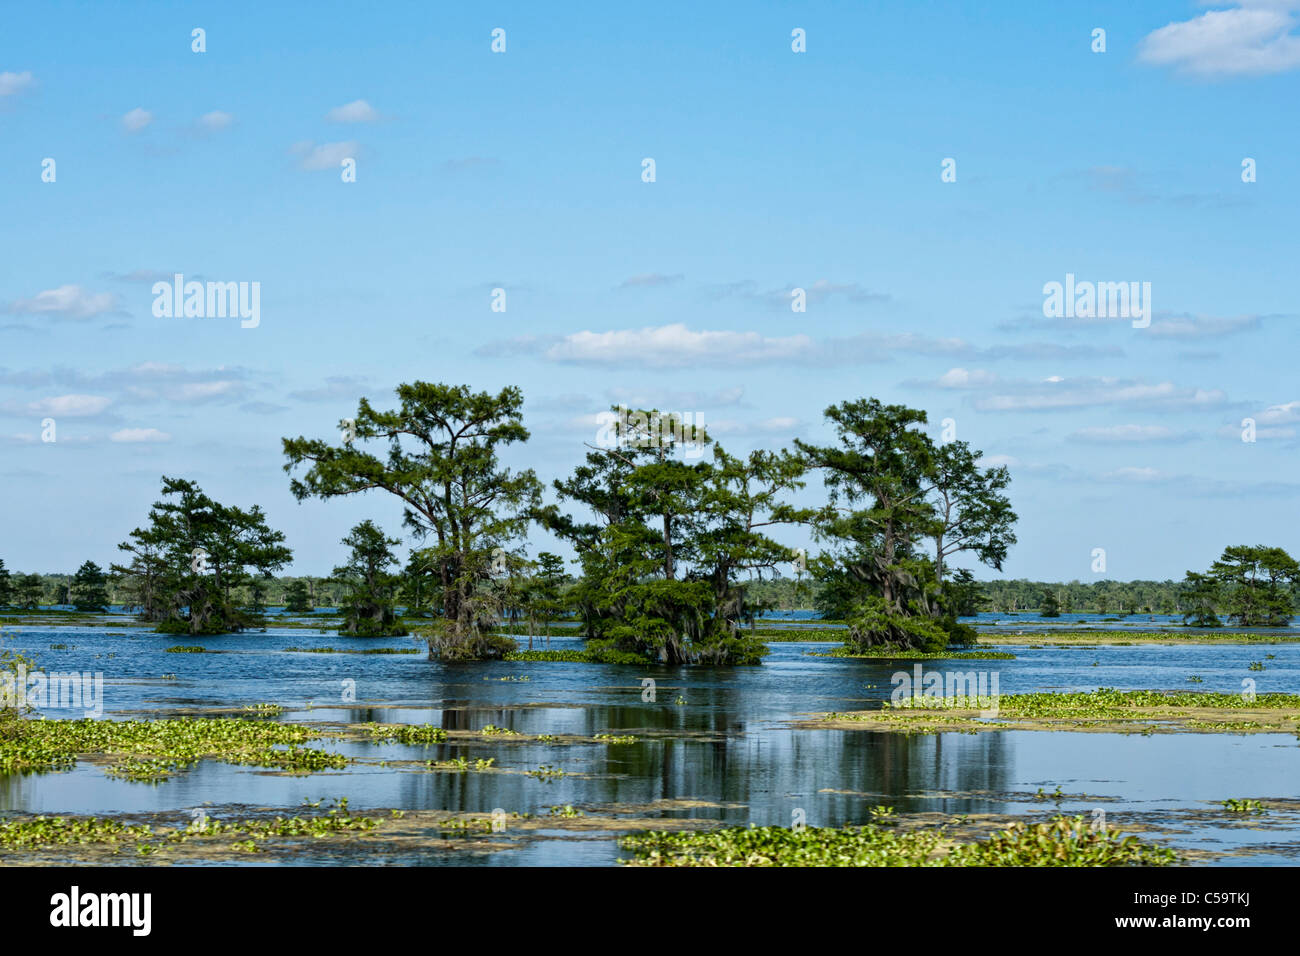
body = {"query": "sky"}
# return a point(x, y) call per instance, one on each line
point(921, 171)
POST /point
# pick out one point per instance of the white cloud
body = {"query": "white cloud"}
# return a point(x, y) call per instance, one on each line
point(216, 120)
point(1199, 327)
point(136, 120)
point(1253, 38)
point(11, 83)
point(1135, 474)
point(67, 406)
point(325, 155)
point(1059, 393)
point(67, 301)
point(134, 435)
point(1105, 434)
point(676, 345)
point(358, 111)
point(964, 378)
point(190, 392)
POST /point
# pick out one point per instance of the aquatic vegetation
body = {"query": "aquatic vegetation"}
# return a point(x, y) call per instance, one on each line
point(889, 654)
point(1107, 702)
point(263, 709)
point(616, 738)
point(186, 649)
point(153, 749)
point(42, 831)
point(779, 635)
point(547, 772)
point(461, 764)
point(565, 811)
point(291, 758)
point(1234, 805)
point(1061, 841)
point(1256, 666)
point(1191, 710)
point(147, 769)
point(597, 656)
point(1196, 679)
point(407, 733)
point(352, 650)
point(491, 730)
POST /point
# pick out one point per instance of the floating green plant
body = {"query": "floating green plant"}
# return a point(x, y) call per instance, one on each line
point(1234, 805)
point(413, 734)
point(890, 654)
point(547, 772)
point(186, 649)
point(1061, 841)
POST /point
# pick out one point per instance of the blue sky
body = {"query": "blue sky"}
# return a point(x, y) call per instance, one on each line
point(774, 170)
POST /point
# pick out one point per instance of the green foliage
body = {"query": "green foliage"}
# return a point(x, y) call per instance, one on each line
point(369, 606)
point(297, 599)
point(89, 591)
point(893, 493)
point(189, 565)
point(441, 460)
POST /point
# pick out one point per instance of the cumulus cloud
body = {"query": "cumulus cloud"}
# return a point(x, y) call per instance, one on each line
point(676, 345)
point(358, 111)
point(316, 156)
point(67, 301)
point(136, 120)
point(965, 378)
point(139, 435)
point(1117, 434)
point(216, 120)
point(1058, 392)
point(60, 406)
point(1201, 326)
point(1253, 38)
point(659, 347)
point(12, 83)
point(1135, 474)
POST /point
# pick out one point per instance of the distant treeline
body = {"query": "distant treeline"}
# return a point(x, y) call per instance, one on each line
point(783, 594)
point(54, 589)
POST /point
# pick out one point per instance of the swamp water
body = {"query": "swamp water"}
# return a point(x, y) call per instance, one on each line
point(714, 745)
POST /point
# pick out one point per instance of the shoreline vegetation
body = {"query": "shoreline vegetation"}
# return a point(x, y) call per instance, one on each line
point(1101, 711)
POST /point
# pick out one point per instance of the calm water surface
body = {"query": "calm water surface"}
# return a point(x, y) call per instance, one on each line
point(718, 735)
